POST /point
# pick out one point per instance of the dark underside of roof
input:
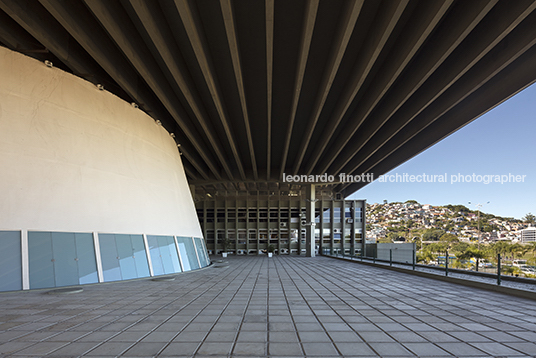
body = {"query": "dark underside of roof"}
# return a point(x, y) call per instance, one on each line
point(252, 89)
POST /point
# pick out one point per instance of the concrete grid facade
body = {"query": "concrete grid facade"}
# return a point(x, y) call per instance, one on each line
point(254, 220)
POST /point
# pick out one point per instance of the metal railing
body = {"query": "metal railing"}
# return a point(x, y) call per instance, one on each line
point(446, 268)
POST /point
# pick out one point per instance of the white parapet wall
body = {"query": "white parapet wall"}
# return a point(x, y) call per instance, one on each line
point(77, 159)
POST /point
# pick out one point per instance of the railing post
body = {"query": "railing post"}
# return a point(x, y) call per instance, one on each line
point(413, 259)
point(499, 269)
point(373, 255)
point(447, 263)
point(390, 257)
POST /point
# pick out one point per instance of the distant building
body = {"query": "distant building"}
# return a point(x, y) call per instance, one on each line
point(528, 235)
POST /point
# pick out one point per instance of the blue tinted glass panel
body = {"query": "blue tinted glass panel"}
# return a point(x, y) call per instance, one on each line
point(85, 252)
point(205, 251)
point(64, 252)
point(156, 258)
point(172, 248)
point(165, 254)
point(184, 257)
point(10, 261)
point(170, 258)
point(140, 256)
point(201, 251)
point(40, 260)
point(110, 263)
point(190, 251)
point(126, 257)
point(198, 250)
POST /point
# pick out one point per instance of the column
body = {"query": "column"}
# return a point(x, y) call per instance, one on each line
point(310, 220)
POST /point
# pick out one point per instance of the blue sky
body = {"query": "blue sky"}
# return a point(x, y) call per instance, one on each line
point(500, 142)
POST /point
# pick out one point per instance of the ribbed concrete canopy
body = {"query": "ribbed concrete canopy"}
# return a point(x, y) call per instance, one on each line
point(252, 89)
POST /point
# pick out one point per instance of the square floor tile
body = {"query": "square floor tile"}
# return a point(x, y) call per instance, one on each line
point(319, 349)
point(249, 349)
point(355, 349)
point(252, 337)
point(180, 349)
point(284, 349)
point(391, 350)
point(211, 348)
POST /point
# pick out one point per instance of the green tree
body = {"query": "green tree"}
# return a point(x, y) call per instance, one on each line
point(518, 250)
point(511, 270)
point(529, 218)
point(226, 243)
point(472, 252)
point(458, 208)
point(459, 247)
point(396, 236)
point(532, 248)
point(438, 247)
point(417, 241)
point(459, 264)
point(425, 256)
point(450, 238)
point(500, 247)
point(432, 234)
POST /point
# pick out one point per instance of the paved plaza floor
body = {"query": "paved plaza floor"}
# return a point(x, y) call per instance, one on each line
point(285, 306)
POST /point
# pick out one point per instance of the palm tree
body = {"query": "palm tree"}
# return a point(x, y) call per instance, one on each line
point(531, 247)
point(500, 247)
point(512, 270)
point(425, 255)
point(529, 219)
point(519, 250)
point(472, 252)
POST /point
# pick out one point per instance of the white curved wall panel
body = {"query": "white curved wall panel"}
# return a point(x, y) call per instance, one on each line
point(77, 159)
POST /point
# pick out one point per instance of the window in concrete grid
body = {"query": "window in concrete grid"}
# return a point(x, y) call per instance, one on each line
point(220, 215)
point(220, 237)
point(241, 237)
point(274, 215)
point(210, 215)
point(327, 216)
point(242, 215)
point(283, 234)
point(358, 215)
point(263, 215)
point(336, 238)
point(337, 215)
point(263, 236)
point(252, 236)
point(210, 236)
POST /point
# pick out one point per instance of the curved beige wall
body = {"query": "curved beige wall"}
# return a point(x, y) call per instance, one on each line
point(73, 158)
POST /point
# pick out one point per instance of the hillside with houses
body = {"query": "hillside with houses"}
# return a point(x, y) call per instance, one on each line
point(408, 221)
